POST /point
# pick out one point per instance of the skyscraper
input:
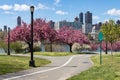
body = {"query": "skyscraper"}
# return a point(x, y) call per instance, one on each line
point(88, 22)
point(52, 24)
point(18, 21)
point(88, 17)
point(81, 17)
point(5, 28)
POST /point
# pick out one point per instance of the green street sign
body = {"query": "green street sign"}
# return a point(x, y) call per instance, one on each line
point(100, 36)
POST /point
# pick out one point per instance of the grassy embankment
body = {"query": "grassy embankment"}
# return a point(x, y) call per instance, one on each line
point(10, 64)
point(54, 53)
point(109, 70)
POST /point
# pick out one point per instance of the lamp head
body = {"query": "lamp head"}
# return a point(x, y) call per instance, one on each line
point(32, 8)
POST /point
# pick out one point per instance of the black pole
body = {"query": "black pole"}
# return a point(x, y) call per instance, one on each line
point(100, 53)
point(32, 62)
point(8, 40)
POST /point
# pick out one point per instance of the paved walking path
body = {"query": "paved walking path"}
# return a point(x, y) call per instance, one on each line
point(61, 68)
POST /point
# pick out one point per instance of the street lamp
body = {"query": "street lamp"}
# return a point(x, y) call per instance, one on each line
point(31, 62)
point(8, 40)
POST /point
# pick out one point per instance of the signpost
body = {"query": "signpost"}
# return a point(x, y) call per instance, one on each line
point(100, 38)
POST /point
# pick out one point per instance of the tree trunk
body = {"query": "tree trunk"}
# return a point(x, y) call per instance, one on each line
point(51, 46)
point(29, 45)
point(70, 48)
point(111, 49)
point(106, 51)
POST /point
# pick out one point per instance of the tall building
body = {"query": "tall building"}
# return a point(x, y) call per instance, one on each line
point(88, 17)
point(18, 21)
point(81, 17)
point(5, 28)
point(97, 26)
point(88, 22)
point(75, 25)
point(79, 23)
point(52, 24)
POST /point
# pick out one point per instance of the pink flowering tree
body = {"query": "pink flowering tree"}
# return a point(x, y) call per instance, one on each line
point(45, 32)
point(116, 46)
point(93, 46)
point(22, 33)
point(104, 46)
point(69, 36)
point(41, 31)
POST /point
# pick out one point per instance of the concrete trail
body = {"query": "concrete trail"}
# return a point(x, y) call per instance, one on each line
point(60, 69)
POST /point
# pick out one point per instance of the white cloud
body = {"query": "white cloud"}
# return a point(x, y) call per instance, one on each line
point(95, 17)
point(8, 12)
point(57, 3)
point(59, 12)
point(23, 7)
point(41, 6)
point(114, 12)
point(6, 7)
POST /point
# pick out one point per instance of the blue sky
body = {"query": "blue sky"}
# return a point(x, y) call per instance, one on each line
point(57, 10)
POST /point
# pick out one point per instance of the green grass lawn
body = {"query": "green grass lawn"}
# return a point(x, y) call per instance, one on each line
point(10, 64)
point(109, 70)
point(53, 53)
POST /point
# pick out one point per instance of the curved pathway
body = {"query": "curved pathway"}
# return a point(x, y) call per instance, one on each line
point(61, 68)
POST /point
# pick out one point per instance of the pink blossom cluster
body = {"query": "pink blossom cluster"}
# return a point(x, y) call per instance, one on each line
point(69, 35)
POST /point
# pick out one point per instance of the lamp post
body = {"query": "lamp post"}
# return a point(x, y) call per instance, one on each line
point(8, 40)
point(31, 62)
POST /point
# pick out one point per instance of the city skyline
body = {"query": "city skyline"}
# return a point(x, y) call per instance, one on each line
point(57, 10)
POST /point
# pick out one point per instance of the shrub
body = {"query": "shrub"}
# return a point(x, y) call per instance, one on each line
point(76, 48)
point(3, 45)
point(17, 47)
point(36, 48)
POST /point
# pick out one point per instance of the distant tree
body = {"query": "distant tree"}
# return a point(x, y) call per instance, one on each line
point(105, 32)
point(118, 22)
point(118, 31)
point(104, 46)
point(45, 32)
point(2, 35)
point(115, 46)
point(69, 36)
point(93, 46)
point(3, 45)
point(110, 32)
point(41, 32)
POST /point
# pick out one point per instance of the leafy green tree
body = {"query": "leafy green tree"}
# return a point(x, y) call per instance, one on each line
point(105, 32)
point(110, 32)
point(118, 31)
point(2, 35)
point(3, 45)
